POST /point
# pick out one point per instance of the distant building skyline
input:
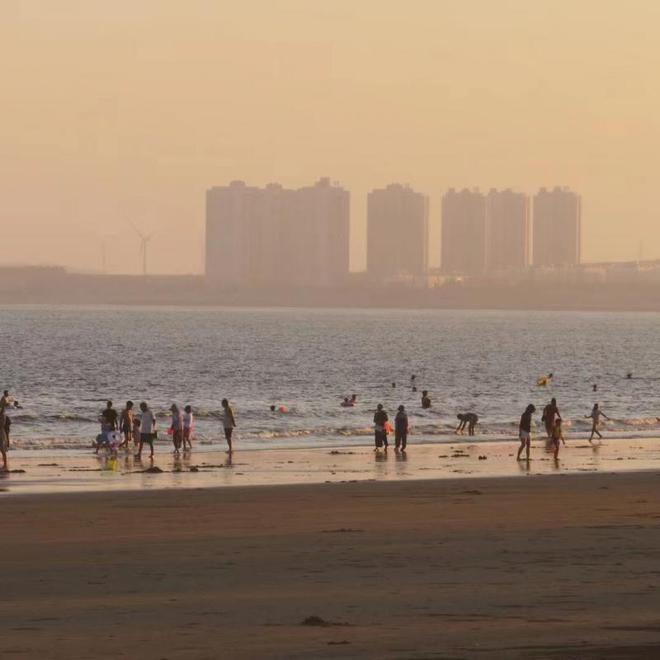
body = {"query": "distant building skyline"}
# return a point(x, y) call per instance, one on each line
point(507, 231)
point(557, 229)
point(397, 233)
point(463, 242)
point(273, 236)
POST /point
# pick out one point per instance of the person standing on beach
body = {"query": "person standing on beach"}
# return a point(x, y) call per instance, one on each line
point(4, 440)
point(557, 436)
point(176, 427)
point(5, 404)
point(400, 429)
point(228, 423)
point(596, 414)
point(147, 430)
point(525, 431)
point(109, 418)
point(380, 433)
point(126, 424)
point(187, 427)
point(550, 414)
point(426, 400)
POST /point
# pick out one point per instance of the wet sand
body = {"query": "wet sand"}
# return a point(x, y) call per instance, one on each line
point(545, 567)
point(46, 472)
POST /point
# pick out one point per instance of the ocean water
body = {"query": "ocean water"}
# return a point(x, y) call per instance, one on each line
point(62, 363)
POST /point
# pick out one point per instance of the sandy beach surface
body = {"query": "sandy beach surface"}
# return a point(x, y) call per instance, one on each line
point(554, 566)
point(75, 471)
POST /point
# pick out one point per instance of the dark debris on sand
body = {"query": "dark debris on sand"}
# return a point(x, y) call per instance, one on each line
point(319, 622)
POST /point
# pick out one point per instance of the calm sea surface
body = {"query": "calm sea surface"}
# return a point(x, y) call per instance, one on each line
point(61, 364)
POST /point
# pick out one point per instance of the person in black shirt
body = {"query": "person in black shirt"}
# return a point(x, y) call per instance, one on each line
point(401, 429)
point(109, 418)
point(550, 414)
point(525, 430)
point(380, 419)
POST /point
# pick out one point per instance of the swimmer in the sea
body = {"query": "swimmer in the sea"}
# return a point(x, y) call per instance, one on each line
point(426, 400)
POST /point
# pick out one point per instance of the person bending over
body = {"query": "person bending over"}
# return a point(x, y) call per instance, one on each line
point(466, 420)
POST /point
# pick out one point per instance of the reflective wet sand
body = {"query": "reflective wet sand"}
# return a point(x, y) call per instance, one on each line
point(66, 472)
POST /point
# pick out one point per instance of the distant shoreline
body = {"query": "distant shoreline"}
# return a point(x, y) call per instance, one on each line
point(532, 299)
point(570, 291)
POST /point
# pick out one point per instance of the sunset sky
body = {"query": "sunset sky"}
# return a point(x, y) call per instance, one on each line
point(126, 111)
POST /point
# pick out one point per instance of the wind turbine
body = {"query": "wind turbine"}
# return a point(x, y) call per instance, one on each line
point(144, 243)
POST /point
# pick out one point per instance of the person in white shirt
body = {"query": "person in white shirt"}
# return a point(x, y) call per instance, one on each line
point(596, 414)
point(147, 430)
point(187, 427)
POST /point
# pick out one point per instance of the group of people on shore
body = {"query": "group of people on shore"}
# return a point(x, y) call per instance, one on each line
point(139, 427)
point(382, 427)
point(552, 422)
point(119, 430)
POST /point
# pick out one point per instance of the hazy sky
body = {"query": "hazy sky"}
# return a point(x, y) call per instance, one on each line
point(128, 110)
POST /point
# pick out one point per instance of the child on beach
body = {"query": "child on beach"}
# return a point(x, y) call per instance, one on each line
point(228, 423)
point(596, 414)
point(525, 430)
point(557, 436)
point(400, 429)
point(136, 431)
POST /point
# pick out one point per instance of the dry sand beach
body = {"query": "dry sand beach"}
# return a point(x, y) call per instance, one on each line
point(550, 566)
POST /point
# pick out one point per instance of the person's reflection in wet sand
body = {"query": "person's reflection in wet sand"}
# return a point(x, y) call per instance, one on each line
point(401, 468)
point(524, 465)
point(138, 462)
point(229, 462)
